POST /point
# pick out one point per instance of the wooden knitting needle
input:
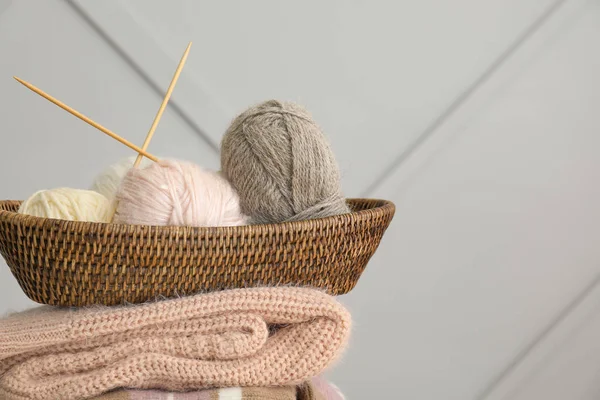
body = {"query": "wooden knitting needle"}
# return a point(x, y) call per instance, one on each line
point(86, 119)
point(163, 104)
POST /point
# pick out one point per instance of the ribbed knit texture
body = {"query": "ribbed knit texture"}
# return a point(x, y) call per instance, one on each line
point(211, 340)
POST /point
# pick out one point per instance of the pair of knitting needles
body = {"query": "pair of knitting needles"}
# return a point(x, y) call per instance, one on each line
point(141, 151)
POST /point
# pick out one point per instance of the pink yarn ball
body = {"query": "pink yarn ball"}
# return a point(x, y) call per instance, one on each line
point(181, 193)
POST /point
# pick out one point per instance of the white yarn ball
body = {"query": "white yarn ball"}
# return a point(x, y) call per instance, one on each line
point(69, 204)
point(108, 181)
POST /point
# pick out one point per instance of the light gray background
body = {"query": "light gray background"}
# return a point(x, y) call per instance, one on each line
point(479, 119)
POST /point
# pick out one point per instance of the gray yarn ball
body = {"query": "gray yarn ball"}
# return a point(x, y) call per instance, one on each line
point(281, 165)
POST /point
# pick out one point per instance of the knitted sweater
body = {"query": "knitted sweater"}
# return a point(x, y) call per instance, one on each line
point(218, 339)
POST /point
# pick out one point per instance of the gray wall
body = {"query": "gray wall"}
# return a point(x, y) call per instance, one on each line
point(479, 119)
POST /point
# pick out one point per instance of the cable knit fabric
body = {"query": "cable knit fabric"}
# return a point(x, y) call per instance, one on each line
point(243, 337)
point(316, 389)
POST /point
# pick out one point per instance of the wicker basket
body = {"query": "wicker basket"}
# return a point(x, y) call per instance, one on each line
point(70, 263)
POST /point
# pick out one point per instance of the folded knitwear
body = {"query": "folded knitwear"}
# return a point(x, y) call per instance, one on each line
point(316, 389)
point(221, 339)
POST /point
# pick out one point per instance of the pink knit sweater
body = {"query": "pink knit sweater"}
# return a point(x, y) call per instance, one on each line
point(211, 340)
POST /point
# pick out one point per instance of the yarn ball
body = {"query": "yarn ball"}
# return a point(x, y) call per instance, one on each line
point(69, 204)
point(173, 192)
point(281, 165)
point(109, 180)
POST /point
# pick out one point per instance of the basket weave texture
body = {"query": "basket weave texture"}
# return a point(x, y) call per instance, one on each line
point(69, 263)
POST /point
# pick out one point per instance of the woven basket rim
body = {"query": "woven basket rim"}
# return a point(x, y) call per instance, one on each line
point(382, 207)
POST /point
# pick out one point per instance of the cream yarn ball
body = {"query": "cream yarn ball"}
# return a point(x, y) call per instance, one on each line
point(181, 193)
point(109, 180)
point(69, 204)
